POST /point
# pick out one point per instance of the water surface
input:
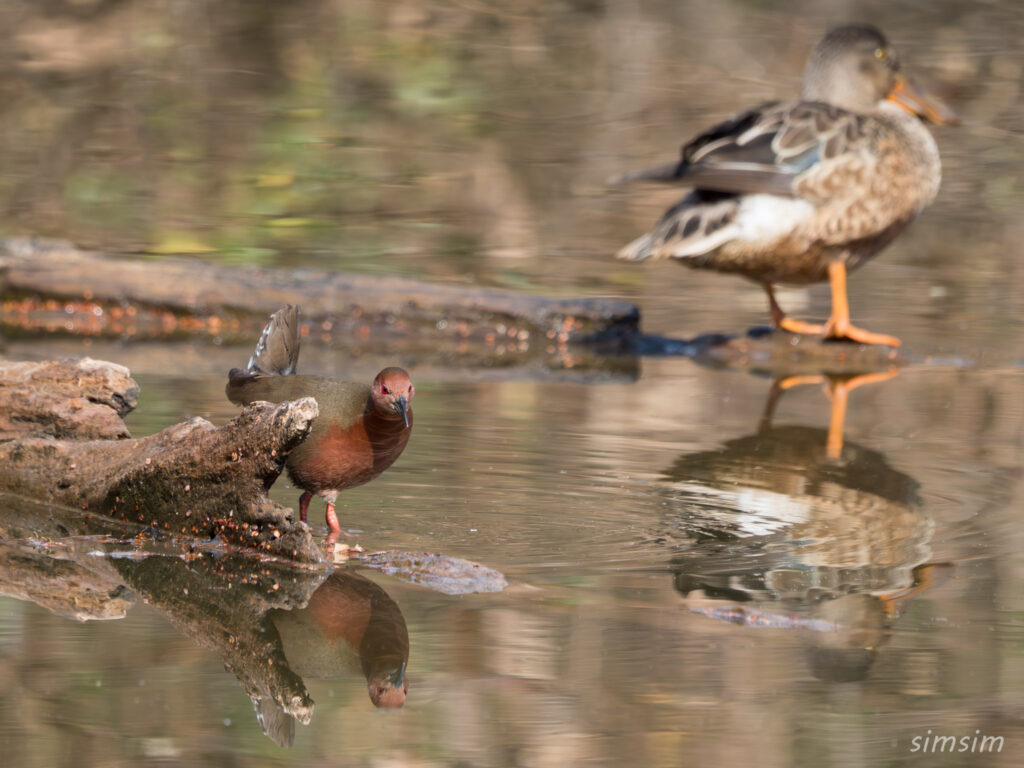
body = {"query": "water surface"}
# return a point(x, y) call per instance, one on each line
point(693, 580)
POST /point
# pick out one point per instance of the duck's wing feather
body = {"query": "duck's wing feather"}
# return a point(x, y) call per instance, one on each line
point(762, 150)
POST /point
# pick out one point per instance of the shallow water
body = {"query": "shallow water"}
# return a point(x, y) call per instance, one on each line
point(692, 579)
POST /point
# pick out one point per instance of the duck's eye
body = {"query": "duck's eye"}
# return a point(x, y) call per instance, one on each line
point(881, 54)
point(384, 390)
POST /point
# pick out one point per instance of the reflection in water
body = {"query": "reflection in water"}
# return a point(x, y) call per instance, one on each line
point(828, 533)
point(271, 623)
point(350, 625)
point(837, 389)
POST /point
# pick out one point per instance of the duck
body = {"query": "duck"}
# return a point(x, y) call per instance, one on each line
point(805, 191)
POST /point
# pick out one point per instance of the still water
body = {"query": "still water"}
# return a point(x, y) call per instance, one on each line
point(693, 579)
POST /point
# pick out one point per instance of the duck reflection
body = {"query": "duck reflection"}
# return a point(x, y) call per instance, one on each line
point(794, 528)
point(837, 389)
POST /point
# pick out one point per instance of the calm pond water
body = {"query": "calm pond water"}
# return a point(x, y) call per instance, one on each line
point(692, 579)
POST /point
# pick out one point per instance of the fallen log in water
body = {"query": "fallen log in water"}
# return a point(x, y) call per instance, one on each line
point(96, 295)
point(62, 441)
point(51, 287)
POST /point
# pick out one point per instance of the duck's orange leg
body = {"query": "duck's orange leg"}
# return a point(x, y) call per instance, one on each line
point(781, 320)
point(839, 325)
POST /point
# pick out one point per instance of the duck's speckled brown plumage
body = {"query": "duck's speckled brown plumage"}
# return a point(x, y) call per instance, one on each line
point(361, 430)
point(802, 191)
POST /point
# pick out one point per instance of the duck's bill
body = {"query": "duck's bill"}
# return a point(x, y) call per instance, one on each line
point(916, 100)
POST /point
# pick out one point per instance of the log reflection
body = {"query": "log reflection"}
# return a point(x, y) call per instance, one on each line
point(273, 624)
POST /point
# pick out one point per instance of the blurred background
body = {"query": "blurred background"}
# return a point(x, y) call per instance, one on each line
point(468, 142)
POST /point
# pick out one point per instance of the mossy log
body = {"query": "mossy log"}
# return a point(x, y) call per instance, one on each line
point(162, 298)
point(63, 442)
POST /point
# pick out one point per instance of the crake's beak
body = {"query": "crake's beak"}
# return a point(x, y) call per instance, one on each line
point(918, 102)
point(402, 405)
point(397, 677)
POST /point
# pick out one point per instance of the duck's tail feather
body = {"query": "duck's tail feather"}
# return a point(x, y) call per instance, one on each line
point(693, 227)
point(664, 173)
